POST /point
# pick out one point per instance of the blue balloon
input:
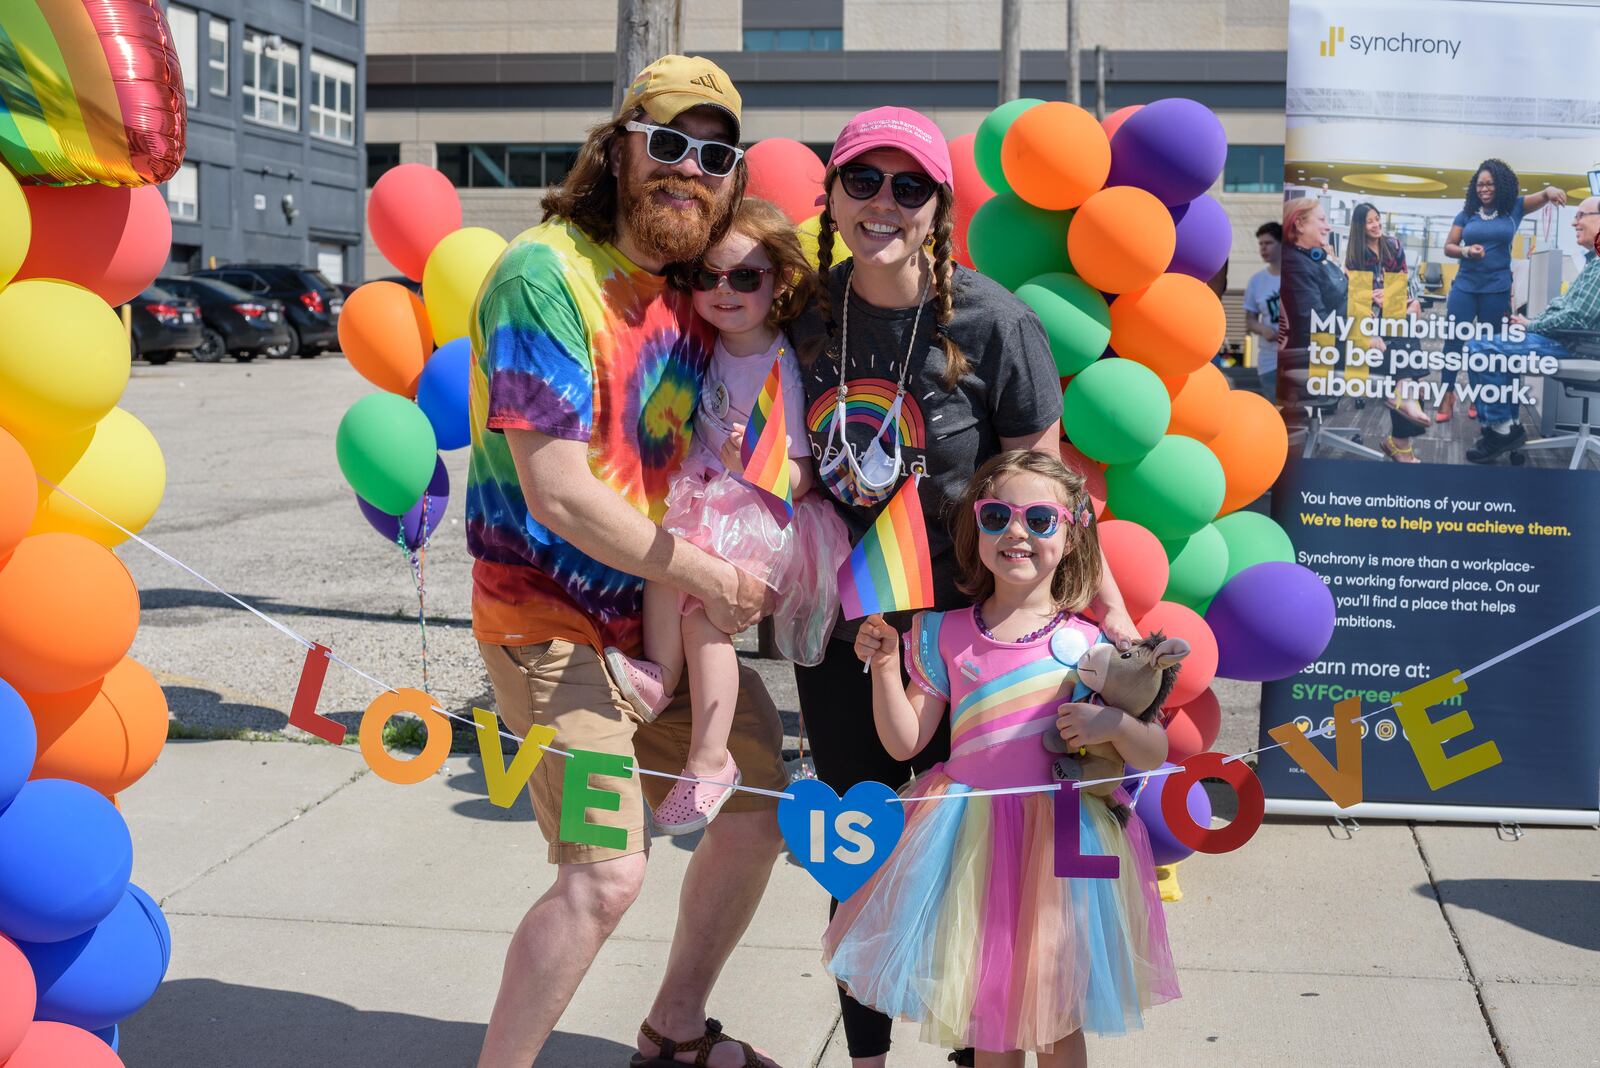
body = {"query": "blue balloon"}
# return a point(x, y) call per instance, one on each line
point(841, 841)
point(19, 743)
point(442, 393)
point(65, 858)
point(111, 1036)
point(107, 973)
point(430, 507)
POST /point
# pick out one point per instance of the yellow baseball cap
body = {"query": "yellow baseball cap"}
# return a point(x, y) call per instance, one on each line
point(674, 84)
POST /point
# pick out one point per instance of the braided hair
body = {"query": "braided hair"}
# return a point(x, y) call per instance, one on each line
point(955, 361)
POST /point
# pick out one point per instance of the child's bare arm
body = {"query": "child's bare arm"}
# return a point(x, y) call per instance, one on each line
point(906, 716)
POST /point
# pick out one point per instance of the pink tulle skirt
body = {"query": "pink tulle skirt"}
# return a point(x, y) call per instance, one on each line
point(800, 561)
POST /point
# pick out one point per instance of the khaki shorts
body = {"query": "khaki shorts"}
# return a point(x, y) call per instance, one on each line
point(567, 687)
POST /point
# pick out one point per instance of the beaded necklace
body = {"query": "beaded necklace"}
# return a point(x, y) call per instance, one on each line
point(983, 628)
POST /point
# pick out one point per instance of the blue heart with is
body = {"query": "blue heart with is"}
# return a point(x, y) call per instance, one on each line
point(841, 841)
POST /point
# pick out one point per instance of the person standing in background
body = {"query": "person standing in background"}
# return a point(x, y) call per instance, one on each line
point(1261, 304)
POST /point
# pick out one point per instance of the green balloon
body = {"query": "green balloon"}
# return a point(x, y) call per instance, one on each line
point(1253, 538)
point(1012, 241)
point(1115, 411)
point(1076, 318)
point(1196, 567)
point(991, 133)
point(387, 451)
point(1173, 491)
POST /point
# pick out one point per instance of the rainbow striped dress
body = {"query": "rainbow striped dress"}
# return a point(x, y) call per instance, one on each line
point(966, 927)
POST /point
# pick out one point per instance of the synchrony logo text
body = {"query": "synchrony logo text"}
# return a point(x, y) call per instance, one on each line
point(1386, 44)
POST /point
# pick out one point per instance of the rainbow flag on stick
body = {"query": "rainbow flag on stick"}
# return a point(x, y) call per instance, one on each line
point(890, 570)
point(766, 447)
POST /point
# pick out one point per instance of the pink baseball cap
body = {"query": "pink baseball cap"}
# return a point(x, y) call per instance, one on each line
point(912, 132)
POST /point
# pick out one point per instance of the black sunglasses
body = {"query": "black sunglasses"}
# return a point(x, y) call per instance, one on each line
point(666, 145)
point(740, 279)
point(911, 189)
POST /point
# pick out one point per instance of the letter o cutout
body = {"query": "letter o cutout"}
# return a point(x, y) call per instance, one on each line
point(391, 768)
point(1175, 804)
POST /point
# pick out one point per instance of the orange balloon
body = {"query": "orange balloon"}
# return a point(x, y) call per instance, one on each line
point(68, 613)
point(1055, 155)
point(1200, 406)
point(1121, 239)
point(105, 735)
point(1094, 476)
point(1138, 563)
point(385, 334)
point(1173, 326)
point(19, 492)
point(1252, 447)
point(1113, 122)
point(1200, 666)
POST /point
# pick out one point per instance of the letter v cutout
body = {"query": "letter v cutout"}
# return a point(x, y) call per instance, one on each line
point(505, 783)
point(1341, 784)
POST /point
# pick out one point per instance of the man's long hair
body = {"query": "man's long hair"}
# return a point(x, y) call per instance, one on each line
point(587, 196)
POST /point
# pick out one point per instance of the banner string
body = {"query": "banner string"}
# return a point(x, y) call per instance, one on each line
point(1139, 777)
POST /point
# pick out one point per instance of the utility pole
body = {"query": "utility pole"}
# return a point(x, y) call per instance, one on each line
point(646, 31)
point(1074, 77)
point(1010, 50)
point(1100, 81)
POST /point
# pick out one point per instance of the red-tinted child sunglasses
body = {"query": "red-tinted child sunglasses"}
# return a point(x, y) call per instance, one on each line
point(1041, 518)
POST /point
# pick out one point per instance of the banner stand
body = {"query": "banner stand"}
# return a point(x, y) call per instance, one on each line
point(1377, 810)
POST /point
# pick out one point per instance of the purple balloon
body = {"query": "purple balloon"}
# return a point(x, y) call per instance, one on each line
point(1270, 621)
point(1205, 237)
point(1164, 848)
point(433, 502)
point(1173, 148)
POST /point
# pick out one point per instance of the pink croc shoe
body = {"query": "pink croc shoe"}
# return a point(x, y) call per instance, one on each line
point(692, 805)
point(640, 683)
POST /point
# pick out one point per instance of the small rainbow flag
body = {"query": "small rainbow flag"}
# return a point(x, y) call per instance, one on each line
point(890, 570)
point(766, 447)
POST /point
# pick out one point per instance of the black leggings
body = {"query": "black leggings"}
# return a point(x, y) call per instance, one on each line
point(836, 701)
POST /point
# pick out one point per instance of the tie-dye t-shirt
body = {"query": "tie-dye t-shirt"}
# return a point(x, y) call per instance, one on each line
point(572, 340)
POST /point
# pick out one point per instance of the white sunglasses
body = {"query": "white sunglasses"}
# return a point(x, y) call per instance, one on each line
point(666, 145)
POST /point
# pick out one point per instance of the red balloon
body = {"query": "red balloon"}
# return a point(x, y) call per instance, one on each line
point(1139, 564)
point(788, 174)
point(1094, 476)
point(971, 191)
point(111, 241)
point(1194, 727)
point(18, 995)
point(1200, 666)
point(411, 209)
point(1113, 122)
point(56, 1045)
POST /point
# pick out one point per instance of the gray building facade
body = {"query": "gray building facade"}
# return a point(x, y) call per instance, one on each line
point(276, 160)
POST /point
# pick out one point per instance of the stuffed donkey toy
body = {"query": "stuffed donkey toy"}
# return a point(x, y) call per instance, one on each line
point(1137, 681)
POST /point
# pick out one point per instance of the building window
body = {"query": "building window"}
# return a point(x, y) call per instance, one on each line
point(347, 8)
point(333, 99)
point(217, 57)
point(829, 40)
point(186, 42)
point(506, 166)
point(271, 80)
point(183, 193)
point(379, 159)
point(1253, 169)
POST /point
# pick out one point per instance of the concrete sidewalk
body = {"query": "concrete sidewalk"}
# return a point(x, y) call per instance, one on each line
point(322, 916)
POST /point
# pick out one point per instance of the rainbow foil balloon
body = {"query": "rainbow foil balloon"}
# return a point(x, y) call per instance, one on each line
point(90, 92)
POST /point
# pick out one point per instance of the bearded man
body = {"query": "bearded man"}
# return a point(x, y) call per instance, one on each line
point(587, 369)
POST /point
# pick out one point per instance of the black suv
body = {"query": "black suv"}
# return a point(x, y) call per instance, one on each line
point(164, 324)
point(237, 323)
point(310, 301)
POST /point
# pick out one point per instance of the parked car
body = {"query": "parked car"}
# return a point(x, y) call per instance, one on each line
point(236, 323)
point(310, 300)
point(402, 280)
point(164, 324)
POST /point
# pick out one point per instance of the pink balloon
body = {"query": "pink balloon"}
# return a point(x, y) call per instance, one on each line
point(971, 192)
point(411, 209)
point(18, 996)
point(788, 174)
point(1113, 122)
point(111, 241)
point(56, 1045)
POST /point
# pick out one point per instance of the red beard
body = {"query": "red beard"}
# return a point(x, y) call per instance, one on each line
point(676, 234)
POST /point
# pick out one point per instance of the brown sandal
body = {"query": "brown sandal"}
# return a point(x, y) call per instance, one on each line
point(667, 1057)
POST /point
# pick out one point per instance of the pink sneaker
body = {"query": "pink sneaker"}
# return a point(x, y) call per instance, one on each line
point(692, 805)
point(640, 683)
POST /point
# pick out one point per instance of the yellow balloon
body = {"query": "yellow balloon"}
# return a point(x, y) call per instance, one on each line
point(452, 276)
point(16, 227)
point(63, 358)
point(807, 233)
point(115, 467)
